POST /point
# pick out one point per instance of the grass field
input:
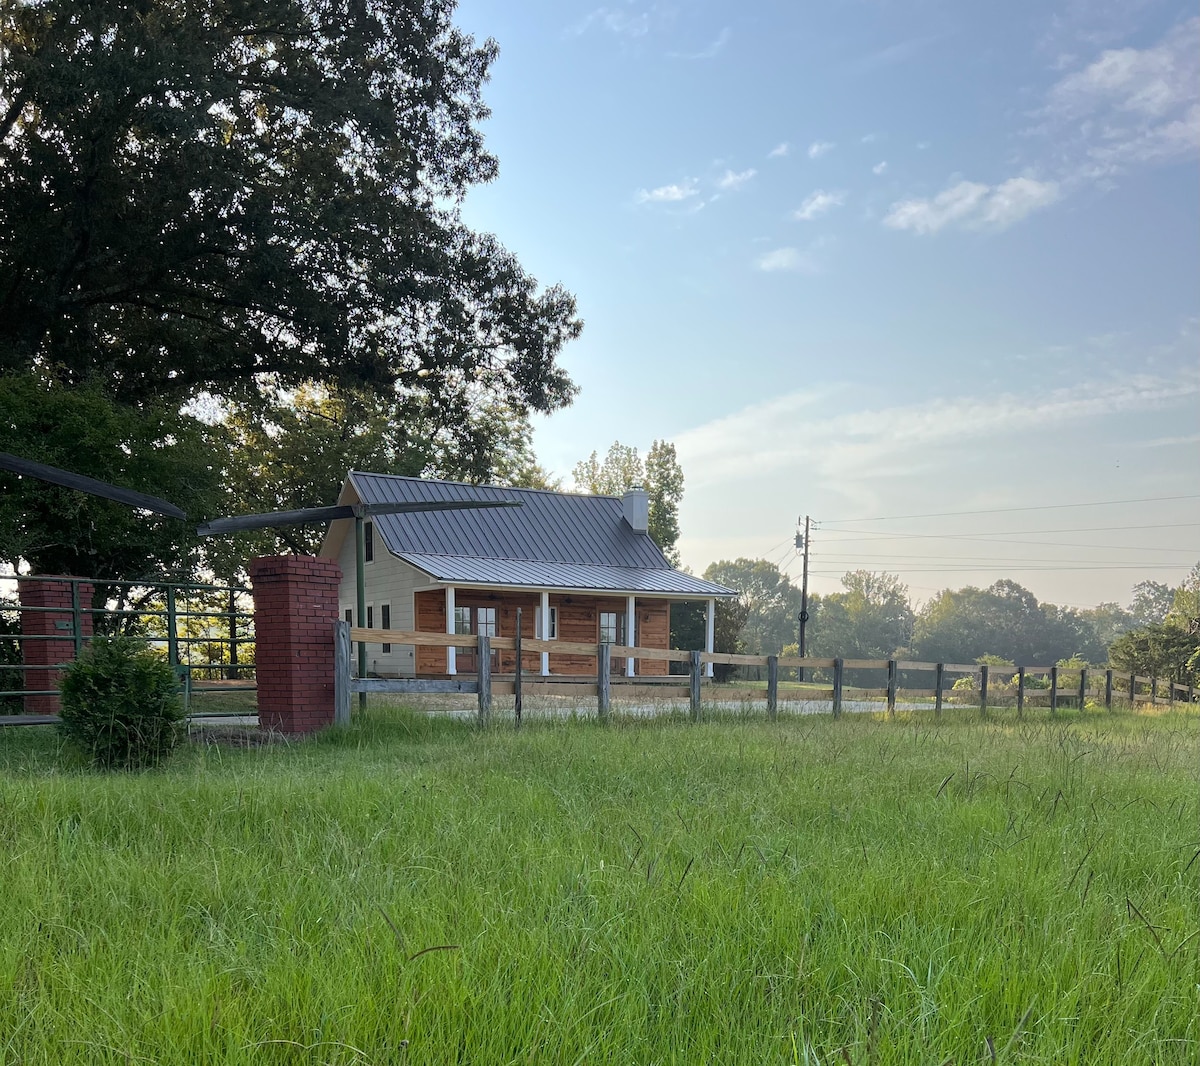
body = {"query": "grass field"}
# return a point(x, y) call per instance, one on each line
point(412, 890)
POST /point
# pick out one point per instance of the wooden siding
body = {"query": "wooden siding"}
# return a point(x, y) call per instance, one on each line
point(578, 620)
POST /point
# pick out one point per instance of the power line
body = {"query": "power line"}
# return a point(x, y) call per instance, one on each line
point(1018, 569)
point(1006, 510)
point(868, 534)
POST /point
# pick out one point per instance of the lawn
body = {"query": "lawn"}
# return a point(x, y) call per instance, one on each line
point(413, 890)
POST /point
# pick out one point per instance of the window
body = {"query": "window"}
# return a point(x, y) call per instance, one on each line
point(612, 627)
point(370, 616)
point(385, 621)
point(349, 616)
point(369, 542)
point(485, 621)
point(537, 624)
point(462, 620)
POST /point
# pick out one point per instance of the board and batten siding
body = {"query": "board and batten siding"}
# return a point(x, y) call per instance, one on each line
point(388, 580)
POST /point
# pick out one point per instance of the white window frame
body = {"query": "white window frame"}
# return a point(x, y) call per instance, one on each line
point(537, 624)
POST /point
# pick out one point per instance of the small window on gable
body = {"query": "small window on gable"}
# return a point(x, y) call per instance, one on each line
point(369, 542)
point(385, 621)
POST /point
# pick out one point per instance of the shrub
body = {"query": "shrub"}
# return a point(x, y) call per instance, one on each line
point(121, 705)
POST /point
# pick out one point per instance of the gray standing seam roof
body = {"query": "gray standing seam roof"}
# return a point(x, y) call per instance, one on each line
point(554, 540)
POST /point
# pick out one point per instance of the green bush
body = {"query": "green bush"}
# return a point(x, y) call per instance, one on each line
point(121, 705)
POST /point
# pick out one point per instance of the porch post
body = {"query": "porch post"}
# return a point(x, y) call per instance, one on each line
point(545, 633)
point(451, 653)
point(710, 624)
point(630, 631)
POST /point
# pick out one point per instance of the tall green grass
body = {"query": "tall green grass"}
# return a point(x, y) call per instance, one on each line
point(412, 890)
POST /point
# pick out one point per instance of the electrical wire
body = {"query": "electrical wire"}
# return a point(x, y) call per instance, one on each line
point(1007, 510)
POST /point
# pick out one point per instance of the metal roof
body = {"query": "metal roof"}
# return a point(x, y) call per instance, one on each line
point(555, 540)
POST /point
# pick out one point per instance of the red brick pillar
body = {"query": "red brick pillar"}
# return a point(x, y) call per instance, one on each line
point(295, 606)
point(51, 633)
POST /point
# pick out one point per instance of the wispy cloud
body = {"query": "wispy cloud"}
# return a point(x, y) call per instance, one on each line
point(731, 180)
point(818, 203)
point(788, 432)
point(1130, 106)
point(711, 51)
point(621, 21)
point(819, 148)
point(779, 151)
point(779, 259)
point(667, 194)
point(973, 205)
point(879, 168)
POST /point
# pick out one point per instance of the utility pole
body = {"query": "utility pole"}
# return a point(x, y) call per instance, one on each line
point(802, 541)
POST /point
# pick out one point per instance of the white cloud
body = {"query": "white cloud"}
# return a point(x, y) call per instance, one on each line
point(781, 259)
point(735, 180)
point(787, 434)
point(879, 168)
point(819, 148)
point(710, 52)
point(1130, 106)
point(974, 205)
point(818, 203)
point(667, 194)
point(622, 22)
point(779, 151)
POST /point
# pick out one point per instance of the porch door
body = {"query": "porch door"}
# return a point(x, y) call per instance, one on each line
point(612, 631)
point(477, 621)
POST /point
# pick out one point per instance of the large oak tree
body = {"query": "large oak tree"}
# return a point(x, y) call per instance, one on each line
point(238, 197)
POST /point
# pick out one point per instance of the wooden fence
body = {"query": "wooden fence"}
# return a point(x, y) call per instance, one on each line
point(1025, 683)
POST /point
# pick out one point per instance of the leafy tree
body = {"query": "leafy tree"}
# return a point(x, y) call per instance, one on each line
point(1109, 620)
point(1160, 650)
point(767, 602)
point(193, 196)
point(148, 447)
point(1005, 619)
point(660, 475)
point(1185, 602)
point(1152, 602)
point(870, 620)
point(229, 203)
point(295, 450)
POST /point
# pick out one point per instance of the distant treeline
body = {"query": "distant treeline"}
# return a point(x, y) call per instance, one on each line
point(1157, 634)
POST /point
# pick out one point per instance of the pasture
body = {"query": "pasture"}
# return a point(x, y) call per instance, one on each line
point(411, 889)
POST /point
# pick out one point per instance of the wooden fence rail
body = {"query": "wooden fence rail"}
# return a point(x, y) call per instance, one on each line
point(1083, 681)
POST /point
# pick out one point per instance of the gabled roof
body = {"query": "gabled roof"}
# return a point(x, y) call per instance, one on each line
point(554, 540)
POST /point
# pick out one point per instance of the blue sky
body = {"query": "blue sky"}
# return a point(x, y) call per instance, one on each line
point(872, 259)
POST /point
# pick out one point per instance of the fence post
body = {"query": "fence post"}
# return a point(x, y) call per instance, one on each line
point(1132, 689)
point(232, 673)
point(341, 673)
point(1020, 692)
point(1153, 691)
point(172, 631)
point(1082, 687)
point(838, 667)
point(1108, 690)
point(983, 683)
point(518, 696)
point(694, 664)
point(484, 674)
point(772, 686)
point(76, 617)
point(1054, 690)
point(891, 687)
point(603, 679)
point(1170, 691)
point(939, 680)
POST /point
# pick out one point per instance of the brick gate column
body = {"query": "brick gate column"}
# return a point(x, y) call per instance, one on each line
point(51, 633)
point(295, 606)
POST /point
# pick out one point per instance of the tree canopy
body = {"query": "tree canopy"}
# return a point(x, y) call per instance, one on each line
point(255, 201)
point(660, 475)
point(193, 194)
